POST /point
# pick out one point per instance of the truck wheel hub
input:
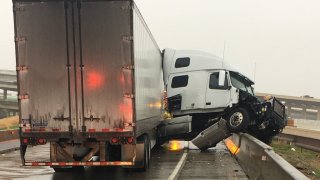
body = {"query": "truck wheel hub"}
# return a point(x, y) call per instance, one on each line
point(236, 119)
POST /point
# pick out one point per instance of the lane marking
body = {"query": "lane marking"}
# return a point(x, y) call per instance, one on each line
point(178, 168)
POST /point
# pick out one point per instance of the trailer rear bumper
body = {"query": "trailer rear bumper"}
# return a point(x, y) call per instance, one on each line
point(66, 164)
point(99, 136)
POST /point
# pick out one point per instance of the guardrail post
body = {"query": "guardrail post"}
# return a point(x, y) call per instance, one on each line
point(5, 94)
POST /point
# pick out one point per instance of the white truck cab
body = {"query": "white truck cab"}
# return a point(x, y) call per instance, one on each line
point(206, 88)
point(199, 82)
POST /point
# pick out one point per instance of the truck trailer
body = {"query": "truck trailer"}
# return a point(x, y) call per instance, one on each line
point(89, 82)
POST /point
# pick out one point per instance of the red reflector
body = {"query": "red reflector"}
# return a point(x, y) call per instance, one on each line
point(91, 130)
point(62, 163)
point(41, 141)
point(114, 140)
point(25, 141)
point(130, 140)
point(27, 130)
point(89, 163)
point(55, 129)
point(105, 130)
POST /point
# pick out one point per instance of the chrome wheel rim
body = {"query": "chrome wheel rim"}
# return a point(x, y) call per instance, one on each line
point(236, 119)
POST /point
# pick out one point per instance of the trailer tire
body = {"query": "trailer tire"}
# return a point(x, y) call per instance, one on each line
point(146, 154)
point(237, 119)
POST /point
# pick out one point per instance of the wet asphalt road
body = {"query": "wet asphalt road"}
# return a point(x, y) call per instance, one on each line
point(215, 163)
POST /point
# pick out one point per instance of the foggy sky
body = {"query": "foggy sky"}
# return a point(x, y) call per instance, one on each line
point(282, 37)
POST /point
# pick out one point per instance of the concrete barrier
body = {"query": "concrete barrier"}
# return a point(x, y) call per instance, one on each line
point(307, 124)
point(259, 161)
point(9, 135)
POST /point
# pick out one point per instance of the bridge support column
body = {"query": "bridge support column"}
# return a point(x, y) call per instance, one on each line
point(304, 112)
point(289, 110)
point(5, 94)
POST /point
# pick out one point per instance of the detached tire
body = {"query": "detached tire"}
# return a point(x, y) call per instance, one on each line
point(237, 119)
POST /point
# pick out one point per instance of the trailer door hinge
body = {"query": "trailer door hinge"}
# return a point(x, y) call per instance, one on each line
point(22, 68)
point(23, 96)
point(20, 39)
point(127, 38)
point(129, 124)
point(128, 67)
point(128, 95)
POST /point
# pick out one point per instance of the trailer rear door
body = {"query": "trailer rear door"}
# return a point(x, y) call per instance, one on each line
point(43, 65)
point(74, 63)
point(105, 54)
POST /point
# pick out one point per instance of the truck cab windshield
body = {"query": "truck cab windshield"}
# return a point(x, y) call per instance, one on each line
point(239, 82)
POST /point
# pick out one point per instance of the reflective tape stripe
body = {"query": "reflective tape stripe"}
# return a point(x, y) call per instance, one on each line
point(102, 163)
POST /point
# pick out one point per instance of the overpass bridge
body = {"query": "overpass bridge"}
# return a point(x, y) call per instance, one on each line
point(299, 107)
point(8, 86)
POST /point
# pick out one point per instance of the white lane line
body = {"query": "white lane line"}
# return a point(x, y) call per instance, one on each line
point(178, 168)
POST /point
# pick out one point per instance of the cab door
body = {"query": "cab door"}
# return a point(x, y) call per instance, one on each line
point(217, 96)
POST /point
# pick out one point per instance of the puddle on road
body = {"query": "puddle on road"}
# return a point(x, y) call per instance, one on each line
point(11, 167)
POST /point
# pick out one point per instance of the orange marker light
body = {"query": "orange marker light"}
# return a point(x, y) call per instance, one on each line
point(231, 146)
point(175, 145)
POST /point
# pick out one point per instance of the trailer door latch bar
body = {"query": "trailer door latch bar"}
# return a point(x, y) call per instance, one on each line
point(91, 118)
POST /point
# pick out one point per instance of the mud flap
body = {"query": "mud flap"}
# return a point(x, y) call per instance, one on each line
point(212, 135)
point(174, 128)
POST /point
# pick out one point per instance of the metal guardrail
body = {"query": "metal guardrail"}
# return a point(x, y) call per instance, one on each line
point(259, 161)
point(303, 142)
point(6, 135)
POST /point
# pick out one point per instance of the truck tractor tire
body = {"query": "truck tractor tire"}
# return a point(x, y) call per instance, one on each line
point(237, 119)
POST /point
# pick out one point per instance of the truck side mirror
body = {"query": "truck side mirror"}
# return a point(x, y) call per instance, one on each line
point(222, 77)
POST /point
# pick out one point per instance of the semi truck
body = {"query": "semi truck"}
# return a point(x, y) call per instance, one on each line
point(89, 82)
point(94, 85)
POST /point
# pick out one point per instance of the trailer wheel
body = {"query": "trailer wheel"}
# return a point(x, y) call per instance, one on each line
point(146, 158)
point(146, 154)
point(237, 119)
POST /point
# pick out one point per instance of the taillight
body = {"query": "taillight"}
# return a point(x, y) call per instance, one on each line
point(25, 141)
point(114, 140)
point(130, 140)
point(42, 141)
